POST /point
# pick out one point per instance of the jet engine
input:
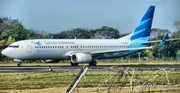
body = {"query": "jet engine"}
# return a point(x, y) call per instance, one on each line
point(81, 58)
point(50, 61)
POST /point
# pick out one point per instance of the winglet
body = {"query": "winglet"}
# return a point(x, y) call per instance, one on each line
point(163, 40)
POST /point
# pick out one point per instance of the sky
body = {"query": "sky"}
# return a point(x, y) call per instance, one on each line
point(55, 16)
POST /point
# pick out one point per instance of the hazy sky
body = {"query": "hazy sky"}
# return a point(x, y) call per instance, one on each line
point(58, 15)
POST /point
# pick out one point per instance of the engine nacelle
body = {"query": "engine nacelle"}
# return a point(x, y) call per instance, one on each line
point(50, 61)
point(81, 58)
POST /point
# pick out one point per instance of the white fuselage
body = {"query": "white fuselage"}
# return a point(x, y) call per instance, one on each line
point(60, 48)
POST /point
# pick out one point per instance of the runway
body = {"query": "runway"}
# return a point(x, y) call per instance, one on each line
point(97, 68)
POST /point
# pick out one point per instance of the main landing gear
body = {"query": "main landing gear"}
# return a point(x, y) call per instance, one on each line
point(19, 64)
point(93, 63)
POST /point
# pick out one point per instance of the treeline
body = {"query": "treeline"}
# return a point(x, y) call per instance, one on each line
point(12, 30)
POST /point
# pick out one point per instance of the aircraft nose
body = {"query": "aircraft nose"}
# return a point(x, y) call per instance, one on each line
point(4, 52)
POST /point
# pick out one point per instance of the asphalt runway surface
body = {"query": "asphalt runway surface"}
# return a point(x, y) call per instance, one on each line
point(96, 69)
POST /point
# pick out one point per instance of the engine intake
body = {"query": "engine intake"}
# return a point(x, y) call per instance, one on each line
point(81, 58)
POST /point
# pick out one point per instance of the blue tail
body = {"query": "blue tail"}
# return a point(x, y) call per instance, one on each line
point(144, 27)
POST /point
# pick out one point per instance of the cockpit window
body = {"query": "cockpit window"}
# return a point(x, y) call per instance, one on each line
point(13, 46)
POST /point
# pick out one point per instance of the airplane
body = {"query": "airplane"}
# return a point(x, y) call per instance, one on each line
point(83, 50)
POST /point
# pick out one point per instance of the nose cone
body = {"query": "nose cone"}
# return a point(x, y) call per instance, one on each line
point(4, 52)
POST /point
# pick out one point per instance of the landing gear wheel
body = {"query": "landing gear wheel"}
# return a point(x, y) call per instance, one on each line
point(19, 64)
point(93, 63)
point(74, 64)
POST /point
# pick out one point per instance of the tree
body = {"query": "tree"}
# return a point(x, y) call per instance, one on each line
point(147, 53)
point(107, 33)
point(81, 33)
point(157, 33)
point(16, 31)
point(174, 46)
point(12, 28)
point(9, 41)
point(84, 33)
point(2, 44)
point(178, 54)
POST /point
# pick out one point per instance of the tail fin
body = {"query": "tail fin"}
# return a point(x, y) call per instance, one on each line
point(144, 27)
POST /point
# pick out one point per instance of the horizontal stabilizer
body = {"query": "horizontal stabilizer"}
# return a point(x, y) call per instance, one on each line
point(52, 37)
point(157, 41)
point(163, 40)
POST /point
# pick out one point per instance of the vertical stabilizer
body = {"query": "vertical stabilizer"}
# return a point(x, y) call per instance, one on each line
point(144, 27)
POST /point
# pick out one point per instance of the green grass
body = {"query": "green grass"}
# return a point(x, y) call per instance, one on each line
point(42, 80)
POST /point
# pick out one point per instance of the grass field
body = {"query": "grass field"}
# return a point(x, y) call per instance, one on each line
point(113, 81)
point(93, 82)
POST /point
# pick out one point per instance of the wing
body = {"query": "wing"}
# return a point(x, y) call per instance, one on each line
point(118, 50)
point(97, 53)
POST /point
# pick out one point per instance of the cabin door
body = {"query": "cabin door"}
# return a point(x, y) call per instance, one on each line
point(28, 47)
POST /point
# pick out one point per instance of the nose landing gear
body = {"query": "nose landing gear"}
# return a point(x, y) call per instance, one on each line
point(19, 62)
